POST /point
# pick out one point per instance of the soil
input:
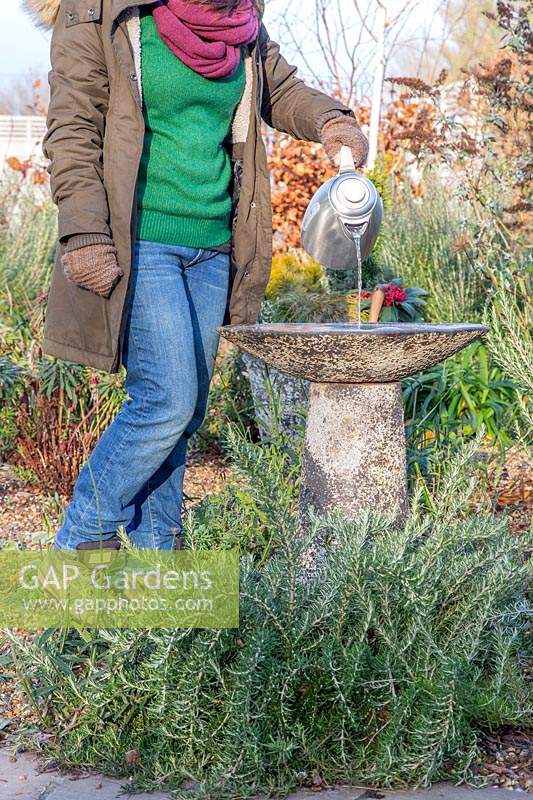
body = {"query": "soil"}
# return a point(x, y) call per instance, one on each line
point(511, 488)
point(30, 517)
point(507, 759)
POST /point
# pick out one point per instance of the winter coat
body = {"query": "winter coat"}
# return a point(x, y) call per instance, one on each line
point(94, 142)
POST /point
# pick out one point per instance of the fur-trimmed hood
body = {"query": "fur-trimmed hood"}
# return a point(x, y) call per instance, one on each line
point(43, 12)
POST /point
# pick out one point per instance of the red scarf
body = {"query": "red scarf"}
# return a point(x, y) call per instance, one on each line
point(206, 40)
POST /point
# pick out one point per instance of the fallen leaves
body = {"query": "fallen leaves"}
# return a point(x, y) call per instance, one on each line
point(508, 759)
point(132, 758)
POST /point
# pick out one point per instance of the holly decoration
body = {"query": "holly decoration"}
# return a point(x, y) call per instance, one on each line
point(401, 304)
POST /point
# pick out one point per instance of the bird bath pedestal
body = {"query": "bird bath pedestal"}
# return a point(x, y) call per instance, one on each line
point(354, 453)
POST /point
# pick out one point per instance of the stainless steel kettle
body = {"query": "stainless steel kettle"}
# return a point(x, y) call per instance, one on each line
point(343, 209)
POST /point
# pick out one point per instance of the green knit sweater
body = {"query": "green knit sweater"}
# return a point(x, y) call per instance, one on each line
point(185, 171)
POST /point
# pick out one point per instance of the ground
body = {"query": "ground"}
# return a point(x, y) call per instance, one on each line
point(24, 778)
point(30, 517)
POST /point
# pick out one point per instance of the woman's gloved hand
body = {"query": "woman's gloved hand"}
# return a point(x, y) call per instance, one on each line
point(93, 267)
point(344, 130)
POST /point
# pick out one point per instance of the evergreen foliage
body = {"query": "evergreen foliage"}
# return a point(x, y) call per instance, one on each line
point(510, 318)
point(379, 671)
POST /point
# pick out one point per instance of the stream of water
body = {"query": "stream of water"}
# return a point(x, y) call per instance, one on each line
point(356, 236)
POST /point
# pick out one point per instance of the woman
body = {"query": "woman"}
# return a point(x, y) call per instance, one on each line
point(160, 175)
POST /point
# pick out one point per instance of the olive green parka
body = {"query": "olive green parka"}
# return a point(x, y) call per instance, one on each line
point(94, 142)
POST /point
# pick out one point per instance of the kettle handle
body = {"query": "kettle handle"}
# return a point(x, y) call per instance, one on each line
point(346, 160)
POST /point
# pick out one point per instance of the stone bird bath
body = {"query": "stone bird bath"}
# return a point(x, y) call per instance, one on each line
point(355, 451)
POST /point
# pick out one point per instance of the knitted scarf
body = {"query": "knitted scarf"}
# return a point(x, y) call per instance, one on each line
point(205, 39)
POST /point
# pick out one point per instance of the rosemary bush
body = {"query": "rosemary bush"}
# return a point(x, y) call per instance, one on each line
point(381, 671)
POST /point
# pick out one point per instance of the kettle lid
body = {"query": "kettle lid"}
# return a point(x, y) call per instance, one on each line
point(351, 194)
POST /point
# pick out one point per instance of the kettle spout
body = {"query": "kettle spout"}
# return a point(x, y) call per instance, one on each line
point(355, 230)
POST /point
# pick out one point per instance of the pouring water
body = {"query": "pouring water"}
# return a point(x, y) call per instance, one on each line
point(356, 231)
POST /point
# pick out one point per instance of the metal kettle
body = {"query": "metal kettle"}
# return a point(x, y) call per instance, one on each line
point(344, 208)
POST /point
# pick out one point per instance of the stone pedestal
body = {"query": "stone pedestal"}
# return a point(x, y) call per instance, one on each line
point(355, 455)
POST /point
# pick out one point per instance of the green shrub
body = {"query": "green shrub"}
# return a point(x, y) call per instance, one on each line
point(381, 671)
point(299, 304)
point(11, 381)
point(510, 342)
point(28, 235)
point(53, 418)
point(461, 397)
point(293, 269)
point(243, 514)
point(421, 243)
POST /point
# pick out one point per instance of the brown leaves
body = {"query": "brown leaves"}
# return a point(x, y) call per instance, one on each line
point(35, 171)
point(315, 783)
point(416, 87)
point(493, 72)
point(132, 758)
point(462, 243)
point(50, 441)
point(297, 169)
point(520, 205)
point(15, 164)
point(467, 144)
point(408, 124)
point(482, 126)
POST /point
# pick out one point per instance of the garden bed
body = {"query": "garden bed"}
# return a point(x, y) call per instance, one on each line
point(412, 644)
point(30, 516)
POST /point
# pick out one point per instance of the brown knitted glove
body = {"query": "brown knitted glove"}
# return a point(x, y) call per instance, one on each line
point(94, 267)
point(341, 131)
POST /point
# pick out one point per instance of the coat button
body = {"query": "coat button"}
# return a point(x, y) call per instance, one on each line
point(246, 275)
point(253, 204)
point(133, 76)
point(91, 12)
point(70, 15)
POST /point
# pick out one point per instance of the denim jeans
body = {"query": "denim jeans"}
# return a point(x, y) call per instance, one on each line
point(134, 477)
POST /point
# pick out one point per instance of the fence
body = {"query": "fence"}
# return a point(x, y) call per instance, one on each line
point(21, 137)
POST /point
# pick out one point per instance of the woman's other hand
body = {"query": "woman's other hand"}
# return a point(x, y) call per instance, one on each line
point(344, 130)
point(94, 267)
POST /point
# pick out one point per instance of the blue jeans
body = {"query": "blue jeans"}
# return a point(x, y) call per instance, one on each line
point(134, 477)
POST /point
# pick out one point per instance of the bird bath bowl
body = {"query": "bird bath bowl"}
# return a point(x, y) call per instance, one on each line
point(355, 452)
